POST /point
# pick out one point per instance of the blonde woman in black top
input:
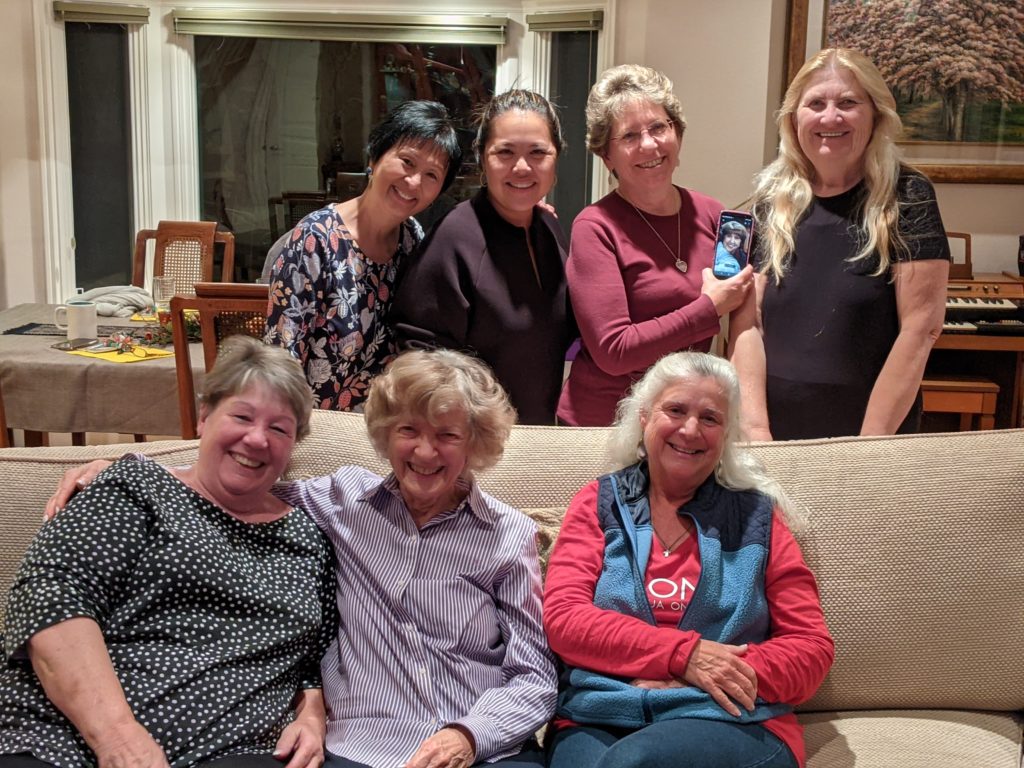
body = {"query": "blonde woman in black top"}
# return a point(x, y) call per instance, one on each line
point(852, 266)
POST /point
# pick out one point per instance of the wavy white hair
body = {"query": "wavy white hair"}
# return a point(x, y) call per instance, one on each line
point(738, 469)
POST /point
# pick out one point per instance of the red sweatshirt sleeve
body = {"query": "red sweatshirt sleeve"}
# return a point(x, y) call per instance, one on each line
point(605, 309)
point(798, 653)
point(593, 638)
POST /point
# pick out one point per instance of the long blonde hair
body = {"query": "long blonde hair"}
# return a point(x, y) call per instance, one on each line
point(783, 189)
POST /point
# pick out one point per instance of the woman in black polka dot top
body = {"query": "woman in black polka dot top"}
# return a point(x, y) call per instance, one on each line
point(175, 617)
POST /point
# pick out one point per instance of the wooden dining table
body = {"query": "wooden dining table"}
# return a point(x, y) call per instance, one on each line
point(46, 390)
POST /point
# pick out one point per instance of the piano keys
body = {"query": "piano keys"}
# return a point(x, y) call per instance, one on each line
point(979, 306)
point(985, 339)
point(1003, 327)
point(988, 307)
point(958, 326)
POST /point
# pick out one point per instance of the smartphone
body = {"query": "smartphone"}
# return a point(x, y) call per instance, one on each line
point(732, 243)
point(70, 344)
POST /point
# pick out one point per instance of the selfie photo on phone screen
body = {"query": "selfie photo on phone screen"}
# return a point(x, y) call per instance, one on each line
point(732, 246)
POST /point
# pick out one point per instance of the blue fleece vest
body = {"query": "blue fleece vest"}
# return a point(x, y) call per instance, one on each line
point(727, 606)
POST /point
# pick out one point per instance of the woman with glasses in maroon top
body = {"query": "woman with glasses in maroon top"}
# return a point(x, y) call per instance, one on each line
point(639, 266)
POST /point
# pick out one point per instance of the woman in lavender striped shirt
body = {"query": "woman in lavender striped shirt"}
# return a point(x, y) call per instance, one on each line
point(441, 658)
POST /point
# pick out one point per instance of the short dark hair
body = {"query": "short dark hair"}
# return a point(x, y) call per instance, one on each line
point(418, 122)
point(526, 101)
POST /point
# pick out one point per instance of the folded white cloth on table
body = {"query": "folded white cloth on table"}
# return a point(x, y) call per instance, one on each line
point(117, 300)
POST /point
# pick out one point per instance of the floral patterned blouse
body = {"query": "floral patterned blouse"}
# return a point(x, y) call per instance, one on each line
point(329, 304)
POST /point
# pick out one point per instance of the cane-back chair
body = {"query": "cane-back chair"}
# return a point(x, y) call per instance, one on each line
point(223, 309)
point(183, 250)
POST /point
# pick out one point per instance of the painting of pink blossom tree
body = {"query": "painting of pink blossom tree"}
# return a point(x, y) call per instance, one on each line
point(956, 67)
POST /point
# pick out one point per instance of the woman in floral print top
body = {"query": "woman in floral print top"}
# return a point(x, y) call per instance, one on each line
point(331, 288)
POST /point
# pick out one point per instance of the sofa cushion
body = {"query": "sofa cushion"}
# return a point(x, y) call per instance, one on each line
point(916, 542)
point(912, 739)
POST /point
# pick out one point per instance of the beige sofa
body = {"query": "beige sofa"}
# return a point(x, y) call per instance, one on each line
point(917, 542)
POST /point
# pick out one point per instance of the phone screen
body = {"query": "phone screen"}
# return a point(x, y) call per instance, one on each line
point(732, 245)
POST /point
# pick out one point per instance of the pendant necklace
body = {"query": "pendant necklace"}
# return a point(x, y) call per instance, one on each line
point(667, 550)
point(677, 254)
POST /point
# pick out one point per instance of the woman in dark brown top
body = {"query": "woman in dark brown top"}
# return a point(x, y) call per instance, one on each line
point(490, 278)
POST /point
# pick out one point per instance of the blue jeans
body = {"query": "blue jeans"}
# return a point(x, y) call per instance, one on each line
point(684, 743)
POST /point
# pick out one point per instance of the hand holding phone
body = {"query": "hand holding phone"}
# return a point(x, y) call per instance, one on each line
point(732, 244)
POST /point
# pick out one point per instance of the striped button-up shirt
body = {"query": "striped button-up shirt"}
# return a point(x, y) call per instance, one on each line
point(439, 626)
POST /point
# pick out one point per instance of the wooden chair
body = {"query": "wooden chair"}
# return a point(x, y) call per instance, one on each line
point(296, 205)
point(224, 309)
point(184, 250)
point(348, 184)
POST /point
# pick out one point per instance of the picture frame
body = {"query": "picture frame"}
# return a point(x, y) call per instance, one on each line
point(942, 162)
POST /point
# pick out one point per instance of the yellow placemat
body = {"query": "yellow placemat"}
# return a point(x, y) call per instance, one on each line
point(139, 317)
point(151, 353)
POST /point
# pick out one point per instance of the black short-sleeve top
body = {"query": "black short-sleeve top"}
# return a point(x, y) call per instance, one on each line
point(829, 324)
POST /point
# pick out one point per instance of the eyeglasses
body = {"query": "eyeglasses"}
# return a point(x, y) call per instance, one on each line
point(657, 130)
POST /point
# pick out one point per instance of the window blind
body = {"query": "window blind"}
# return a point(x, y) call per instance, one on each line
point(105, 13)
point(326, 25)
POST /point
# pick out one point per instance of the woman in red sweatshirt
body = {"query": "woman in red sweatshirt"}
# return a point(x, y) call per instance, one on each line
point(676, 596)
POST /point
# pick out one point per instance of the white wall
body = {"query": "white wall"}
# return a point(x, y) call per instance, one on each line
point(718, 57)
point(22, 273)
point(725, 59)
point(993, 214)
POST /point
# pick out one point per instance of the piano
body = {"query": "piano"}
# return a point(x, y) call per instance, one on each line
point(991, 304)
point(983, 335)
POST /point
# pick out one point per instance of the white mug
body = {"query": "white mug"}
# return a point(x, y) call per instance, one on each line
point(79, 319)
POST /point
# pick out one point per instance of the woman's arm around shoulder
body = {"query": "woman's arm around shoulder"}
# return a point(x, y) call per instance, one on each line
point(586, 636)
point(792, 663)
point(328, 497)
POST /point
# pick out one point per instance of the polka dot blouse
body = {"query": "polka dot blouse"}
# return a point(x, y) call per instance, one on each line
point(212, 624)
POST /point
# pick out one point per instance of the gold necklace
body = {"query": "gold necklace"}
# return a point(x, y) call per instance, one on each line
point(666, 551)
point(681, 264)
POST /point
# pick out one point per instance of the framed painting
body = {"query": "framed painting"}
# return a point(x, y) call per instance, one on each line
point(956, 69)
